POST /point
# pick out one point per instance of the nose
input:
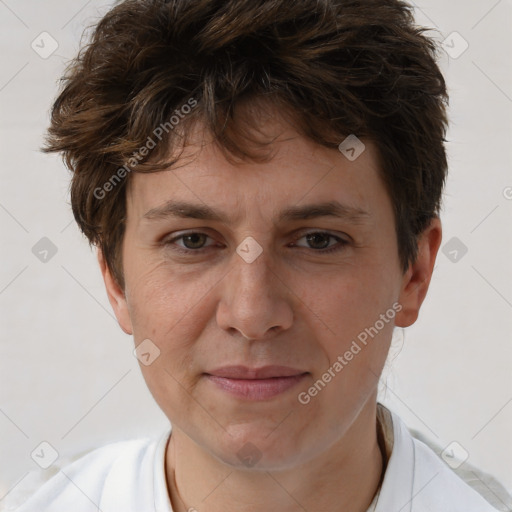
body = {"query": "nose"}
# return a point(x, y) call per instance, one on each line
point(255, 301)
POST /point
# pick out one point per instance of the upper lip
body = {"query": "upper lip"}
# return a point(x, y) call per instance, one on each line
point(265, 372)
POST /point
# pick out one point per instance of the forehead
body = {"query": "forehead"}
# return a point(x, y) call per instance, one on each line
point(299, 171)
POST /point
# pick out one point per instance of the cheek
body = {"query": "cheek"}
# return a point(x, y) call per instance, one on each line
point(357, 318)
point(355, 358)
point(171, 310)
point(349, 301)
point(164, 308)
point(162, 301)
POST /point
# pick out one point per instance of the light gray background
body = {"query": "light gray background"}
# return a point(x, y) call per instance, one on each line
point(67, 371)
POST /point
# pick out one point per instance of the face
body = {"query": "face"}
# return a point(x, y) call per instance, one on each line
point(248, 273)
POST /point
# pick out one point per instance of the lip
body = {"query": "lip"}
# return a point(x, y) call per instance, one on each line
point(255, 383)
point(265, 372)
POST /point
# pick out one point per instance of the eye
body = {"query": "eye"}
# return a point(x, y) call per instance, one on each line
point(319, 241)
point(192, 242)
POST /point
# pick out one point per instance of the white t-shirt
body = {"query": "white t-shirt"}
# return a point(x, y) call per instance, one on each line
point(129, 476)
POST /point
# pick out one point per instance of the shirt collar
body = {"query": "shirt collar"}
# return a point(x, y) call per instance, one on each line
point(160, 488)
point(396, 489)
point(396, 492)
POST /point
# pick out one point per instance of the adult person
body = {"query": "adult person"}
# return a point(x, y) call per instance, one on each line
point(262, 179)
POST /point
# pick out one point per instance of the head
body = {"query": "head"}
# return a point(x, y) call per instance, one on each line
point(238, 109)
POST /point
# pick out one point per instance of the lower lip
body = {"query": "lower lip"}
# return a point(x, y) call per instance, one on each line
point(256, 389)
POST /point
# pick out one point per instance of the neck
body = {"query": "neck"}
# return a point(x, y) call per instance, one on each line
point(345, 477)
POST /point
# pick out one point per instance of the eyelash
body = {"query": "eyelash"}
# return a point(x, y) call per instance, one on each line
point(341, 243)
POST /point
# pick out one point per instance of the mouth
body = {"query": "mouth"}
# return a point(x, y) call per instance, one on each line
point(256, 383)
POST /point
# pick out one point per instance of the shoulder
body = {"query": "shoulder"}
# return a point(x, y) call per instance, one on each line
point(94, 480)
point(438, 487)
point(463, 477)
point(432, 484)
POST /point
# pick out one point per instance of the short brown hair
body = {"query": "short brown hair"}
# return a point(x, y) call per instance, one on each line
point(339, 67)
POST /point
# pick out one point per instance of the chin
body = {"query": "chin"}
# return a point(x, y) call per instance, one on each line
point(255, 451)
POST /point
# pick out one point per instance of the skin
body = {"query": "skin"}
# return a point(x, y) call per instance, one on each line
point(292, 306)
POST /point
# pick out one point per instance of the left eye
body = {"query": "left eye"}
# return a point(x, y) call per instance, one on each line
point(316, 238)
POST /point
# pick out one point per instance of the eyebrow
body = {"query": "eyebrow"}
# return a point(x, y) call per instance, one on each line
point(181, 209)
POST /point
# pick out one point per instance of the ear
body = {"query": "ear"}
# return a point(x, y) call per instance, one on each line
point(116, 296)
point(416, 280)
